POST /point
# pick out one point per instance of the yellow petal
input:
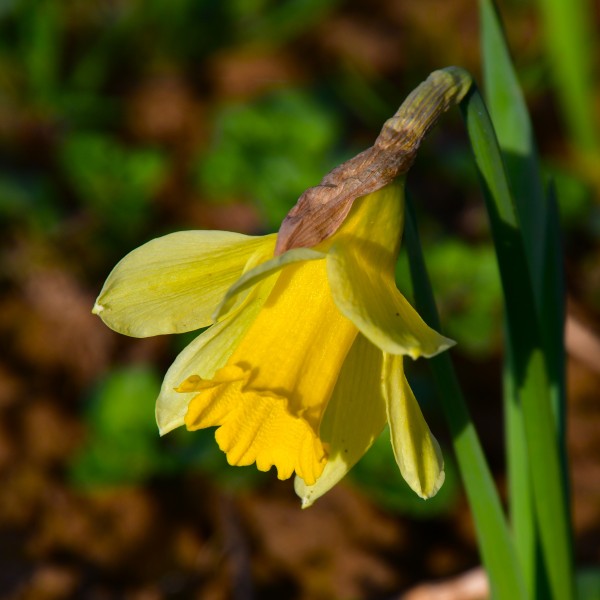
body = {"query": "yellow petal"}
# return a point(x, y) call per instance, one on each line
point(174, 283)
point(416, 450)
point(368, 296)
point(292, 353)
point(256, 274)
point(298, 343)
point(354, 418)
point(205, 355)
point(253, 426)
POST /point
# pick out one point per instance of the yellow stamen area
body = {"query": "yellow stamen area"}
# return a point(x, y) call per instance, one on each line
point(269, 399)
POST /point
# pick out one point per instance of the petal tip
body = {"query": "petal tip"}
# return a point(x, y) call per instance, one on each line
point(306, 503)
point(98, 308)
point(443, 344)
point(306, 495)
point(448, 343)
point(435, 488)
point(167, 426)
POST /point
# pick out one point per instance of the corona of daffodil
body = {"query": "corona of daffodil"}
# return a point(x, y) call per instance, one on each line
point(301, 366)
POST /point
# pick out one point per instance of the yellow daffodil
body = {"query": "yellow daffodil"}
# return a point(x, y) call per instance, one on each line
point(302, 365)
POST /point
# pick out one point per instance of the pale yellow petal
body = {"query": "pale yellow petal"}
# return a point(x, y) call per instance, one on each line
point(205, 355)
point(174, 283)
point(361, 260)
point(367, 294)
point(416, 450)
point(354, 418)
point(264, 269)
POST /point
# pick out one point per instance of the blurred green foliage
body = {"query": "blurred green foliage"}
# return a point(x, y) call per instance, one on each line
point(122, 445)
point(115, 183)
point(588, 584)
point(276, 21)
point(270, 151)
point(575, 198)
point(26, 202)
point(466, 278)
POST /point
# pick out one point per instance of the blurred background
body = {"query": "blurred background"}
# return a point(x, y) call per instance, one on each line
point(123, 120)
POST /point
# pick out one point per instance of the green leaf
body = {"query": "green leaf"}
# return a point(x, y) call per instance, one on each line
point(495, 543)
point(536, 216)
point(510, 116)
point(530, 361)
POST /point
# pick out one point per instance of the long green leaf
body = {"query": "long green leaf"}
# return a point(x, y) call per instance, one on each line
point(509, 113)
point(497, 549)
point(508, 110)
point(540, 232)
point(520, 494)
point(530, 367)
point(540, 228)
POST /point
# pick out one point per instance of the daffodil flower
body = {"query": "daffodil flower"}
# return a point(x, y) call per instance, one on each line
point(301, 366)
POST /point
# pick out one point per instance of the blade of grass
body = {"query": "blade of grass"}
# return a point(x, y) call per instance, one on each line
point(540, 229)
point(530, 364)
point(508, 110)
point(497, 549)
